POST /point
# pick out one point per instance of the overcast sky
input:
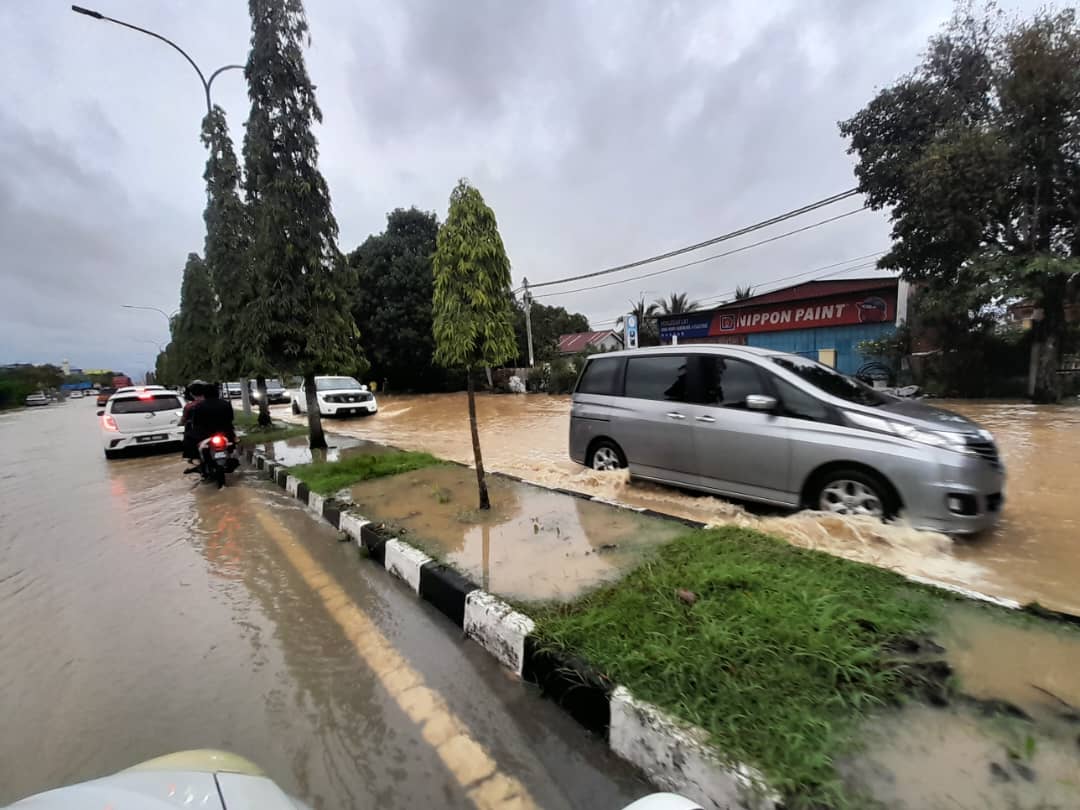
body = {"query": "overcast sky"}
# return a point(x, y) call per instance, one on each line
point(600, 132)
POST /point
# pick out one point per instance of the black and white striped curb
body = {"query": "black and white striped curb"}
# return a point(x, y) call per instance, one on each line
point(671, 754)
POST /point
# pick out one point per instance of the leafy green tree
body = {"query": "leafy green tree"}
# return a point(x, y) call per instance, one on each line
point(976, 154)
point(392, 301)
point(299, 319)
point(548, 325)
point(743, 292)
point(227, 243)
point(676, 304)
point(474, 324)
point(648, 332)
point(194, 330)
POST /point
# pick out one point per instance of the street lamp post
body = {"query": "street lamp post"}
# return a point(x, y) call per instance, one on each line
point(168, 318)
point(206, 83)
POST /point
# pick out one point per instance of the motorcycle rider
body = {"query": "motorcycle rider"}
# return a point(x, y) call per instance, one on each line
point(212, 415)
point(194, 394)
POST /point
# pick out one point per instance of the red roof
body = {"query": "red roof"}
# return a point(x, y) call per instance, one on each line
point(580, 341)
point(814, 289)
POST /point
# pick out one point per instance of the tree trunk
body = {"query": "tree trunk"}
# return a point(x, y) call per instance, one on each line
point(245, 397)
point(481, 483)
point(316, 438)
point(264, 403)
point(1048, 333)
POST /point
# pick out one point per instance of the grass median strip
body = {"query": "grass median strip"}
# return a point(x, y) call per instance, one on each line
point(326, 478)
point(777, 652)
point(249, 423)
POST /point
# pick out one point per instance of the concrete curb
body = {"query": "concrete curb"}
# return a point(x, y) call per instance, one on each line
point(668, 752)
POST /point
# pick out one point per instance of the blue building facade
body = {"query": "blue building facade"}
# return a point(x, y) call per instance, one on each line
point(822, 320)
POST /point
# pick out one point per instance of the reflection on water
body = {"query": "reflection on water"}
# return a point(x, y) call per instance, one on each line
point(533, 544)
point(1033, 555)
point(296, 451)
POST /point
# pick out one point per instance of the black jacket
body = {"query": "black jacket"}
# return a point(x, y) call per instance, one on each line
point(211, 416)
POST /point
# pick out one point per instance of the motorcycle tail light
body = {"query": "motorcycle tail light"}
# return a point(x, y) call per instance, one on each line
point(217, 440)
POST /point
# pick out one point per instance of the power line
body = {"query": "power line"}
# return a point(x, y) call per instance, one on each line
point(722, 238)
point(759, 243)
point(720, 299)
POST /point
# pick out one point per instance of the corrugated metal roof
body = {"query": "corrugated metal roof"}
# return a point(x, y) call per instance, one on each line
point(580, 341)
point(814, 289)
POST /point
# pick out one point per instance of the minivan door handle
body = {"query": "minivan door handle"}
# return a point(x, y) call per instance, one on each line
point(704, 419)
point(675, 415)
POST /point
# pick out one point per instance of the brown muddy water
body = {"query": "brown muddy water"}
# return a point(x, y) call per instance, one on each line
point(1034, 555)
point(532, 545)
point(976, 752)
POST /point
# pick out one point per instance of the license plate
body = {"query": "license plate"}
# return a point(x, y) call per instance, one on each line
point(153, 437)
point(221, 455)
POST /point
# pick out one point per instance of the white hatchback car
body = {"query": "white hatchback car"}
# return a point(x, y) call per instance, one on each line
point(338, 396)
point(140, 417)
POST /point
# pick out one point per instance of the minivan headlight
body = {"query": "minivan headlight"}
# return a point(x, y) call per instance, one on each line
point(935, 438)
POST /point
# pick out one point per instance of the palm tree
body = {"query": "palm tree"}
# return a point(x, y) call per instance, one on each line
point(676, 304)
point(744, 292)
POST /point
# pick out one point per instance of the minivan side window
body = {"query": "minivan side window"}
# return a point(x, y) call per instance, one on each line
point(728, 382)
point(799, 404)
point(663, 377)
point(601, 376)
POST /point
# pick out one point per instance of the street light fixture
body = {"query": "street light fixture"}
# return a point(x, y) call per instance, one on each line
point(166, 315)
point(97, 15)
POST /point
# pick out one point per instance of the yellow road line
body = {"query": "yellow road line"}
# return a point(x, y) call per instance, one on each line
point(469, 762)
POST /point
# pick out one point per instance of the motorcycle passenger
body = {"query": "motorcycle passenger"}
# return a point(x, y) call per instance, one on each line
point(212, 415)
point(194, 394)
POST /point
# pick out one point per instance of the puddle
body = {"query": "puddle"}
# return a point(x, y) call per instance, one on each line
point(296, 451)
point(966, 757)
point(533, 545)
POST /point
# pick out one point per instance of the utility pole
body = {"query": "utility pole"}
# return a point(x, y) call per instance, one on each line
point(526, 298)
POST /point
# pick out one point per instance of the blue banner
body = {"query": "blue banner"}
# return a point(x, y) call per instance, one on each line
point(684, 326)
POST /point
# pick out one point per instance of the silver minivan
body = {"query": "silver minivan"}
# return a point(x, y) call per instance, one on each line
point(760, 425)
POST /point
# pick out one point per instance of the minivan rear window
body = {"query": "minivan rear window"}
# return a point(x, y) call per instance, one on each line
point(601, 376)
point(159, 402)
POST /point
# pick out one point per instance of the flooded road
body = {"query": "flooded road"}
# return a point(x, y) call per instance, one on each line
point(1034, 555)
point(143, 616)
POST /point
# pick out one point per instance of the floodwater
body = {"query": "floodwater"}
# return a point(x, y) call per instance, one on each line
point(1034, 555)
point(533, 544)
point(966, 756)
point(145, 614)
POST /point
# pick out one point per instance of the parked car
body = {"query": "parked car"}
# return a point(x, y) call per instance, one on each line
point(36, 398)
point(103, 395)
point(275, 392)
point(75, 394)
point(141, 417)
point(338, 396)
point(231, 390)
point(758, 425)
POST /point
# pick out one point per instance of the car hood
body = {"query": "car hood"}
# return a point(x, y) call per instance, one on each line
point(926, 416)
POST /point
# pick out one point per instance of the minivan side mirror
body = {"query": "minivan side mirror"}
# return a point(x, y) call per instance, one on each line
point(760, 402)
point(101, 413)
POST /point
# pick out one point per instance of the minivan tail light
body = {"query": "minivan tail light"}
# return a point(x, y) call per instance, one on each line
point(109, 423)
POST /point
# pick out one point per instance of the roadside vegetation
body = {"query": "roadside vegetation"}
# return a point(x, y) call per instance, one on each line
point(777, 652)
point(254, 432)
point(328, 477)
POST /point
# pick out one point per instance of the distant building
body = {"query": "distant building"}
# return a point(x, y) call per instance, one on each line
point(823, 320)
point(1025, 312)
point(578, 342)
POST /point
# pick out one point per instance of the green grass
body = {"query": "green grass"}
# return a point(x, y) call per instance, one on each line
point(328, 477)
point(782, 654)
point(249, 423)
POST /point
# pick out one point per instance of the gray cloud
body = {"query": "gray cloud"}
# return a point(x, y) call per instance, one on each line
point(599, 131)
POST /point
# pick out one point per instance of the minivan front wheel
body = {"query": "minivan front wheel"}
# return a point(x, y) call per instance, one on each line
point(854, 492)
point(605, 456)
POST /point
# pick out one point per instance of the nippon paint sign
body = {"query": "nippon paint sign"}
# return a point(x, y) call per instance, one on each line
point(880, 307)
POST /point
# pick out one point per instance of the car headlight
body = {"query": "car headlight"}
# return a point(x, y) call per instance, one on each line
point(935, 438)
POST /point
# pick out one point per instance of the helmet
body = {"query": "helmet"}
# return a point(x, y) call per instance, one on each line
point(197, 388)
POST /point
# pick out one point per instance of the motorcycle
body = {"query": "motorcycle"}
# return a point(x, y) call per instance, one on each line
point(217, 458)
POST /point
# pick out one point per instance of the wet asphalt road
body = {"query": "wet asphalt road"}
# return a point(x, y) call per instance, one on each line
point(142, 615)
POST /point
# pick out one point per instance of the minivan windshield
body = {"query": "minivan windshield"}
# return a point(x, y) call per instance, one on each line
point(336, 383)
point(830, 381)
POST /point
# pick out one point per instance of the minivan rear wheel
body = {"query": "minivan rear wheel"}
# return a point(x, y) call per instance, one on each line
point(855, 492)
point(606, 455)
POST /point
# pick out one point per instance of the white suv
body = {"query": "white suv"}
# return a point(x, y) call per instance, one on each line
point(139, 417)
point(338, 396)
